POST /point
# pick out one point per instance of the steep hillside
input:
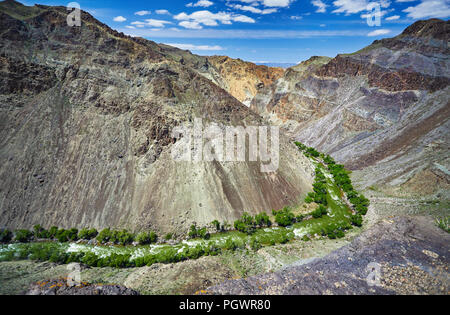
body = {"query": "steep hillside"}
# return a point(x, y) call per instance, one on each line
point(86, 115)
point(383, 111)
point(244, 79)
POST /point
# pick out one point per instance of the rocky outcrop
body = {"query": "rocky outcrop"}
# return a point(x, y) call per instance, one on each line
point(243, 79)
point(86, 120)
point(399, 256)
point(382, 111)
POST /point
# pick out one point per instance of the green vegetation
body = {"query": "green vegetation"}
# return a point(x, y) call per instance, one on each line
point(23, 236)
point(216, 225)
point(5, 236)
point(194, 232)
point(40, 232)
point(87, 234)
point(284, 217)
point(262, 220)
point(443, 223)
point(319, 212)
point(168, 236)
point(144, 238)
point(332, 192)
point(104, 236)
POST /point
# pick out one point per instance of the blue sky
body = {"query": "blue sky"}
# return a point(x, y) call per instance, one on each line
point(265, 31)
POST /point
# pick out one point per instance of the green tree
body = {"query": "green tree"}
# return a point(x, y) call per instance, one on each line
point(23, 236)
point(284, 217)
point(263, 219)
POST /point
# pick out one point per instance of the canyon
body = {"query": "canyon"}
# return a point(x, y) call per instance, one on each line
point(86, 121)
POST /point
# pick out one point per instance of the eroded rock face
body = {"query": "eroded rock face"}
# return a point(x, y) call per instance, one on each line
point(243, 79)
point(86, 120)
point(382, 111)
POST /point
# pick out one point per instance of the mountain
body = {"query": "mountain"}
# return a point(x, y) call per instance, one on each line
point(244, 79)
point(382, 111)
point(283, 65)
point(86, 120)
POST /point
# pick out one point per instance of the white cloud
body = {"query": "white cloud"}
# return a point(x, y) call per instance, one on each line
point(191, 25)
point(321, 6)
point(253, 9)
point(151, 22)
point(356, 6)
point(429, 9)
point(143, 12)
point(195, 47)
point(267, 3)
point(201, 3)
point(162, 12)
point(277, 3)
point(119, 19)
point(196, 19)
point(296, 17)
point(393, 18)
point(243, 19)
point(379, 32)
point(157, 23)
point(374, 14)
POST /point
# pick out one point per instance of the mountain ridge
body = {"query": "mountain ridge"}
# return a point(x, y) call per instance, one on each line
point(87, 114)
point(382, 111)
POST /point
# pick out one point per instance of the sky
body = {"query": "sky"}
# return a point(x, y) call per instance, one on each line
point(262, 31)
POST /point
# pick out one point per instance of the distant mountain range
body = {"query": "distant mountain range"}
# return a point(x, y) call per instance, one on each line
point(284, 65)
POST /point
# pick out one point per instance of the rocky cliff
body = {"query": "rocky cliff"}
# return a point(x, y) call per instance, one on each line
point(382, 111)
point(243, 79)
point(86, 115)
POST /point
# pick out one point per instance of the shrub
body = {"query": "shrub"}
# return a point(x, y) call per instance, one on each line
point(313, 152)
point(52, 232)
point(255, 244)
point(168, 236)
point(299, 218)
point(443, 223)
point(284, 217)
point(72, 234)
point(144, 238)
point(5, 236)
point(361, 209)
point(203, 233)
point(40, 232)
point(229, 245)
point(195, 252)
point(319, 212)
point(193, 233)
point(62, 235)
point(104, 236)
point(122, 237)
point(216, 225)
point(339, 233)
point(59, 257)
point(87, 234)
point(23, 236)
point(284, 239)
point(309, 199)
point(263, 219)
point(246, 224)
point(356, 220)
